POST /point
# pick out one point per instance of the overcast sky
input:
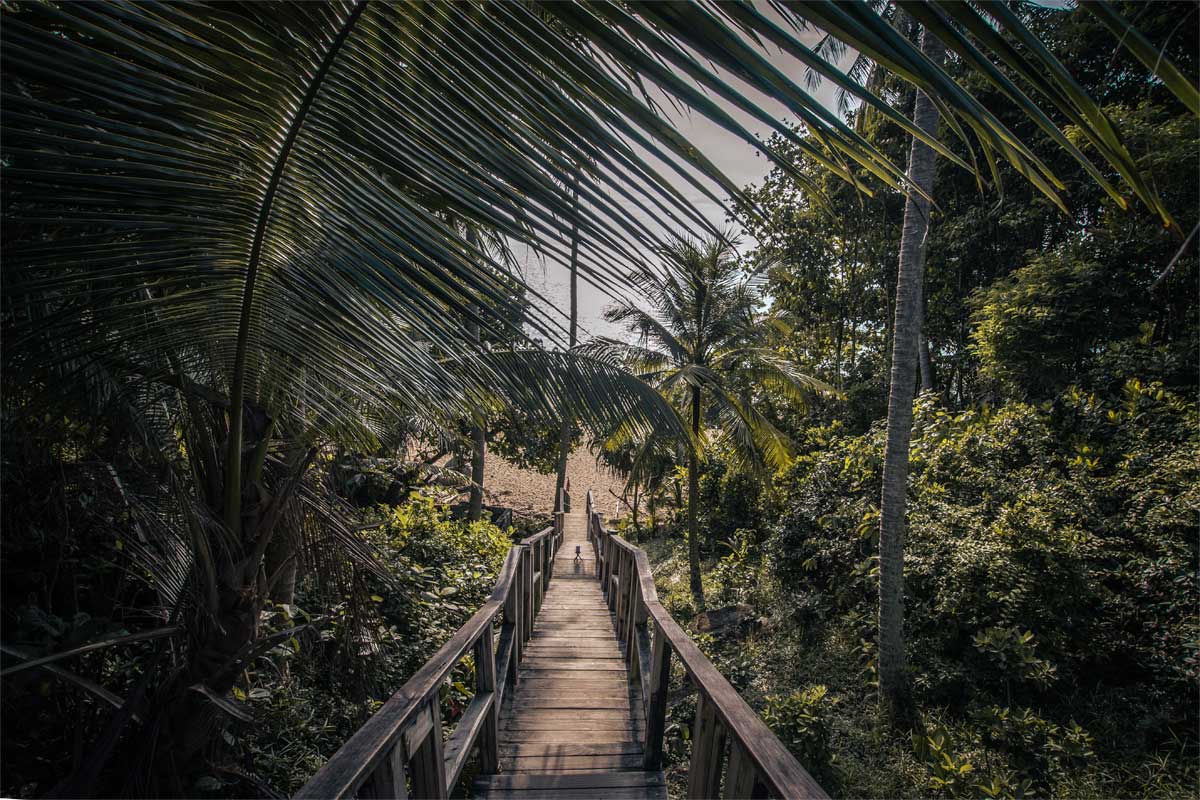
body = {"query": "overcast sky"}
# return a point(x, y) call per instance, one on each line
point(737, 159)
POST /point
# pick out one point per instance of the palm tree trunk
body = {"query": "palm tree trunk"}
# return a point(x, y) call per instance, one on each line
point(478, 450)
point(564, 436)
point(895, 692)
point(693, 492)
point(923, 351)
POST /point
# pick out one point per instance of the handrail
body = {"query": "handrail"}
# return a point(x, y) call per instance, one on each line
point(406, 733)
point(758, 762)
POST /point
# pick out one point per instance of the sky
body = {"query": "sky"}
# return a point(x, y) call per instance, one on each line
point(742, 163)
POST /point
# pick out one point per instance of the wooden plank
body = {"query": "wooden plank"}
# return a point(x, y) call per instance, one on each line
point(640, 793)
point(615, 729)
point(566, 685)
point(577, 646)
point(566, 697)
point(574, 665)
point(471, 726)
point(569, 635)
point(428, 763)
point(739, 777)
point(553, 716)
point(612, 780)
point(581, 737)
point(708, 749)
point(485, 686)
point(508, 770)
point(608, 762)
point(507, 669)
point(417, 730)
point(387, 781)
point(656, 703)
point(563, 750)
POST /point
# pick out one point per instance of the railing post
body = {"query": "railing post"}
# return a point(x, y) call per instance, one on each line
point(428, 763)
point(387, 781)
point(656, 705)
point(708, 747)
point(741, 775)
point(527, 592)
point(485, 682)
point(512, 620)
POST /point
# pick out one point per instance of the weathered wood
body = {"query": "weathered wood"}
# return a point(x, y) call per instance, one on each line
point(527, 591)
point(708, 746)
point(740, 775)
point(611, 780)
point(778, 770)
point(638, 793)
point(343, 774)
point(560, 749)
point(472, 727)
point(643, 661)
point(581, 736)
point(428, 762)
point(593, 763)
point(387, 781)
point(485, 685)
point(656, 700)
point(507, 664)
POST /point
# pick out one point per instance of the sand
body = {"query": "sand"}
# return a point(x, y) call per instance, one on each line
point(528, 491)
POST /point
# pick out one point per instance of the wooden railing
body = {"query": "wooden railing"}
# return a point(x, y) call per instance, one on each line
point(758, 763)
point(405, 735)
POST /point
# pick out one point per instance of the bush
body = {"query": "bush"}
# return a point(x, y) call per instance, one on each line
point(1050, 565)
point(801, 721)
point(434, 573)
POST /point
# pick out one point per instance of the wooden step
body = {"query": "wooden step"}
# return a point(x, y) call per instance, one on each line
point(572, 786)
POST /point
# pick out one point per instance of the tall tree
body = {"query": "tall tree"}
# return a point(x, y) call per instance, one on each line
point(701, 346)
point(895, 695)
point(568, 425)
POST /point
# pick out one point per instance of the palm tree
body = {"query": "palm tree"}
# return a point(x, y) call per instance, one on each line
point(701, 346)
point(568, 425)
point(228, 223)
point(895, 697)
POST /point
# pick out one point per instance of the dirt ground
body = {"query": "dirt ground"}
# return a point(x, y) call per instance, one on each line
point(528, 491)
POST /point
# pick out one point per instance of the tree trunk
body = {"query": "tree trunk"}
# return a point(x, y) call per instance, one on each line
point(478, 450)
point(923, 349)
point(693, 492)
point(895, 692)
point(564, 436)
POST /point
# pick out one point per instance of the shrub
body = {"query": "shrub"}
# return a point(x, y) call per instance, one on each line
point(801, 721)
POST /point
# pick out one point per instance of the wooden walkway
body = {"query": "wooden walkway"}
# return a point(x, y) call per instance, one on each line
point(573, 671)
point(574, 726)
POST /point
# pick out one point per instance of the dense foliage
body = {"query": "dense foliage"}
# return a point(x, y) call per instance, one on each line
point(255, 254)
point(1053, 540)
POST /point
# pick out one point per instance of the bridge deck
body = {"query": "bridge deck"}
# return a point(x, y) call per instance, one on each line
point(574, 726)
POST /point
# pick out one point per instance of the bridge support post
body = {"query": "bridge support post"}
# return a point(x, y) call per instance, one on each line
point(708, 750)
point(485, 683)
point(428, 764)
point(656, 710)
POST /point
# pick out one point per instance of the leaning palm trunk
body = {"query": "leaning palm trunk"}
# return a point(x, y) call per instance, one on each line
point(895, 695)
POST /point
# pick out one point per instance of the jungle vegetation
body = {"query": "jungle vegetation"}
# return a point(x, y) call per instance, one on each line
point(259, 278)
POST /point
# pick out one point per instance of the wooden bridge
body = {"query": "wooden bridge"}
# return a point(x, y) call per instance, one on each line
point(572, 655)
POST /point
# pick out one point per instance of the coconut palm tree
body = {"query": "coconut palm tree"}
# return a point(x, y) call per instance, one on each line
point(701, 345)
point(894, 691)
